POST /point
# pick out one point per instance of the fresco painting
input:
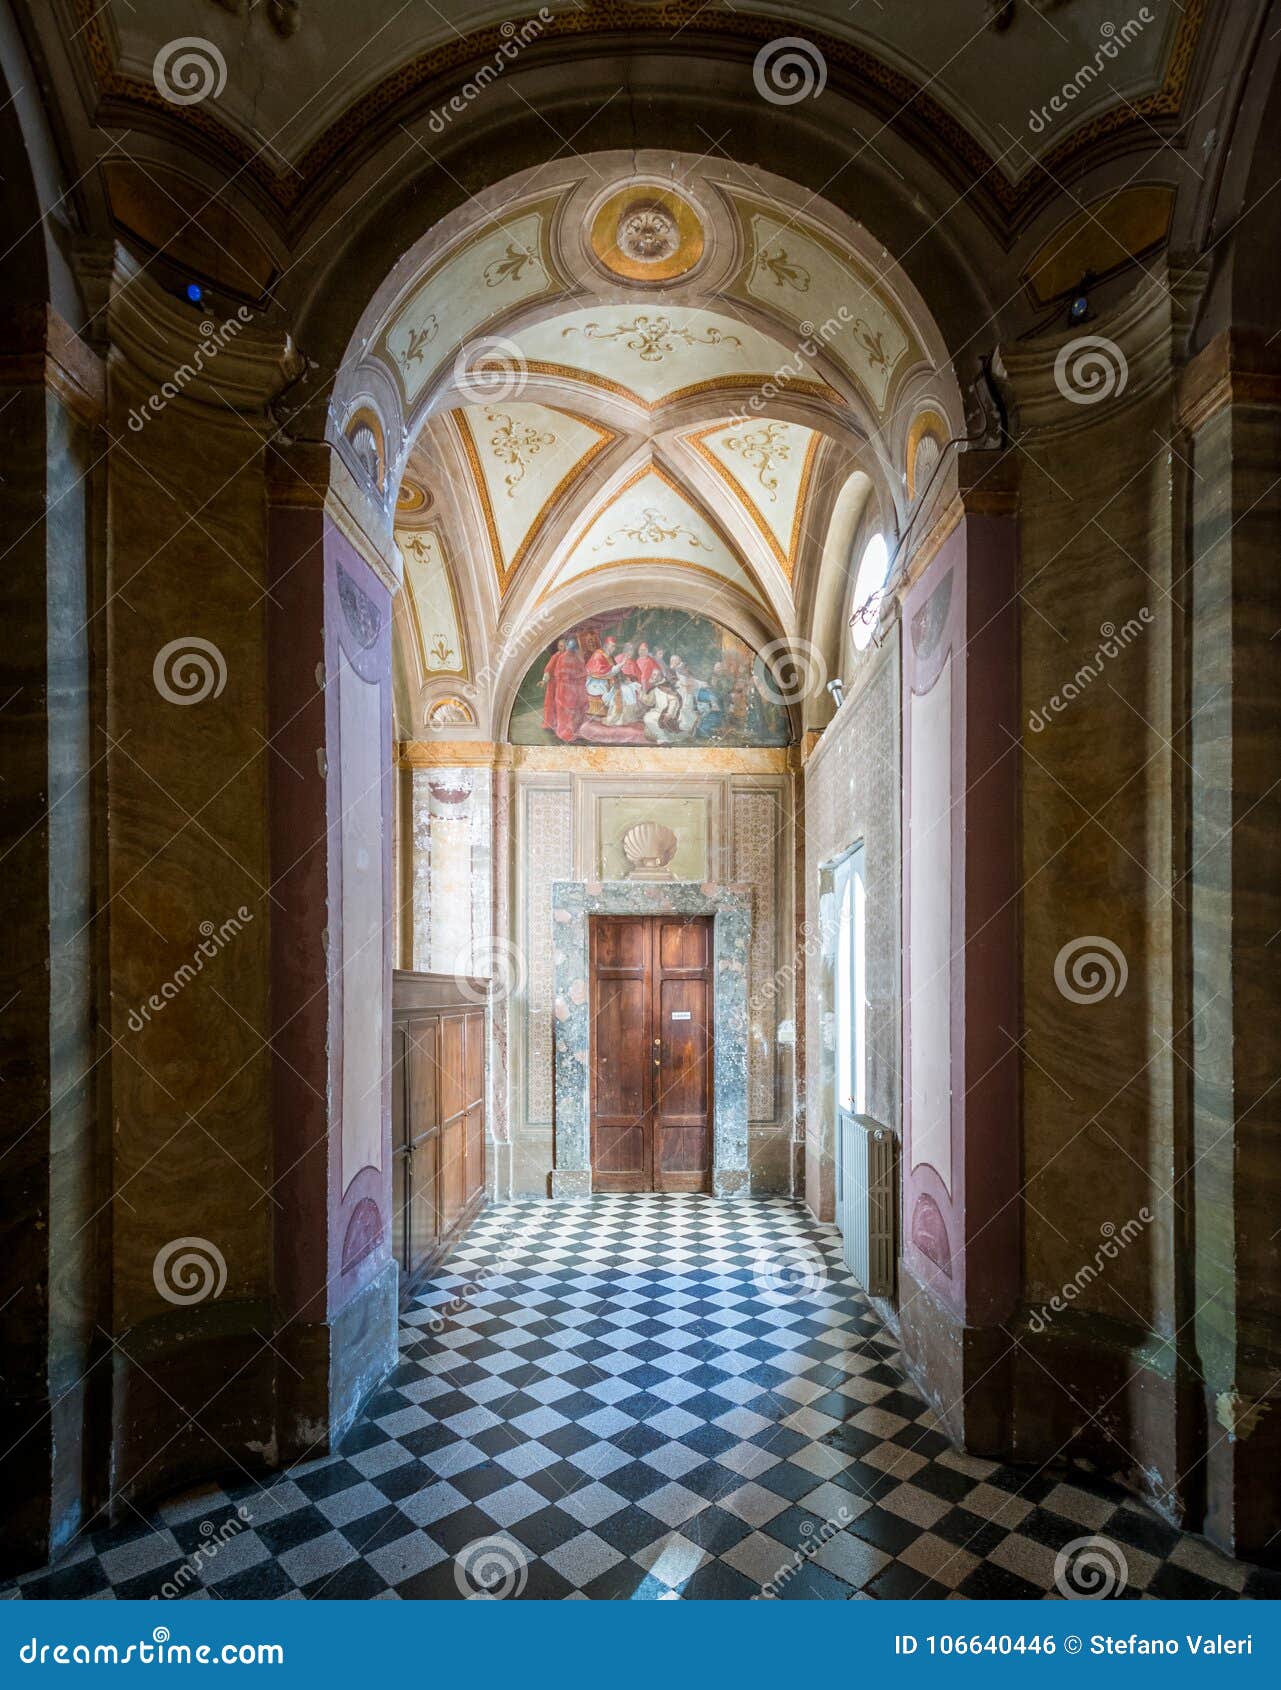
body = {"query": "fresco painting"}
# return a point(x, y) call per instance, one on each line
point(645, 676)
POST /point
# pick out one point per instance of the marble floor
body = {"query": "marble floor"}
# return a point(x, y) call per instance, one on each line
point(647, 1398)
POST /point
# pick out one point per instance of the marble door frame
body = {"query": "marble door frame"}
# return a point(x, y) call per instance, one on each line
point(573, 903)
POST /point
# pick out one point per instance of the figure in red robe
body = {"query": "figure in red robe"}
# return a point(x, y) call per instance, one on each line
point(565, 697)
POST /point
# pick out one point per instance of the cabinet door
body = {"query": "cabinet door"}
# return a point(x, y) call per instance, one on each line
point(424, 1211)
point(399, 1145)
point(453, 1105)
point(475, 1090)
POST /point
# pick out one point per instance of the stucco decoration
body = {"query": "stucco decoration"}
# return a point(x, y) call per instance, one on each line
point(815, 283)
point(502, 265)
point(433, 607)
point(651, 519)
point(647, 233)
point(768, 465)
point(653, 354)
point(522, 458)
point(574, 902)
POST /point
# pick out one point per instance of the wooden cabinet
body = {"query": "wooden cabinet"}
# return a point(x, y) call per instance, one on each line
point(439, 1027)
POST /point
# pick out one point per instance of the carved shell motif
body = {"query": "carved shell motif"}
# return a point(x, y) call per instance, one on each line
point(649, 845)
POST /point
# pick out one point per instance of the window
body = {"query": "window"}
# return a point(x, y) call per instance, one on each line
point(869, 589)
point(849, 886)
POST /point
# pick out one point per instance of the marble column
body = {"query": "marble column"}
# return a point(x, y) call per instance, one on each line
point(51, 1280)
point(1230, 407)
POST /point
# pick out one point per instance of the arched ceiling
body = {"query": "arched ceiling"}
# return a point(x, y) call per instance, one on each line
point(972, 69)
point(648, 382)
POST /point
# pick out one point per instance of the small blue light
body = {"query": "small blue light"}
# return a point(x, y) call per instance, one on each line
point(195, 293)
point(1079, 309)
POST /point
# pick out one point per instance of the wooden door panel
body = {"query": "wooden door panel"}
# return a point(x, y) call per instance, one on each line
point(651, 1053)
point(422, 1075)
point(424, 1217)
point(452, 1170)
point(451, 1067)
point(474, 1064)
point(621, 1078)
point(682, 945)
point(475, 1136)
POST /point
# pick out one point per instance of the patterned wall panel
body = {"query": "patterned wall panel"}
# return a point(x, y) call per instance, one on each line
point(758, 824)
point(548, 853)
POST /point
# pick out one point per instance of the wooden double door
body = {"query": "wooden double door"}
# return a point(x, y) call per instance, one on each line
point(651, 1053)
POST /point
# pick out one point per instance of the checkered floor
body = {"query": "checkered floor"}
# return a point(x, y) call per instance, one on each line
point(644, 1398)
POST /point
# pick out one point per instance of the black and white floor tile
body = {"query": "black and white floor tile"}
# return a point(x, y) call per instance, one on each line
point(643, 1398)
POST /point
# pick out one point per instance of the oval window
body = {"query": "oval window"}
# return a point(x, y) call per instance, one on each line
point(869, 588)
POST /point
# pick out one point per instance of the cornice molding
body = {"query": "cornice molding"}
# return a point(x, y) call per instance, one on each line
point(593, 759)
point(1238, 367)
point(1065, 382)
point(55, 357)
point(236, 365)
point(888, 93)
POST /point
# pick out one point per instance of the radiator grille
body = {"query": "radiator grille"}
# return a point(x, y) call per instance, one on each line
point(867, 1201)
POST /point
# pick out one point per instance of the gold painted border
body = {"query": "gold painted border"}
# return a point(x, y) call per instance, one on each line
point(430, 674)
point(786, 560)
point(687, 221)
point(652, 467)
point(506, 571)
point(713, 384)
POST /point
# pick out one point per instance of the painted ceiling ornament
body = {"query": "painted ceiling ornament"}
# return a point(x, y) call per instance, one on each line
point(510, 267)
point(652, 530)
point(516, 444)
point(647, 233)
point(785, 271)
point(412, 498)
point(654, 337)
point(419, 340)
point(873, 343)
point(764, 449)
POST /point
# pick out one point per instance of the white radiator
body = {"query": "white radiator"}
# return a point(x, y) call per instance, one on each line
point(867, 1201)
